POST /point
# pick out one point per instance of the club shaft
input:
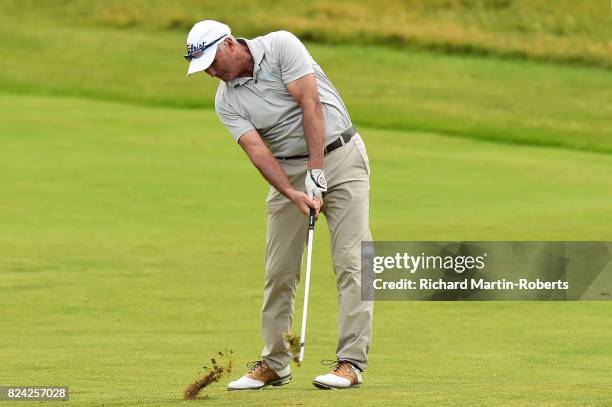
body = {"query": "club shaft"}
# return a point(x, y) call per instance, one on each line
point(306, 285)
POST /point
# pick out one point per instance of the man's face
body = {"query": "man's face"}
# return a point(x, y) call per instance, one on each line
point(224, 65)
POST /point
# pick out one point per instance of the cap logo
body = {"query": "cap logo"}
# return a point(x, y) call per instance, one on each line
point(195, 47)
point(196, 50)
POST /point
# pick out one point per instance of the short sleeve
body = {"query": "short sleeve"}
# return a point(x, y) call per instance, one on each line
point(235, 123)
point(295, 61)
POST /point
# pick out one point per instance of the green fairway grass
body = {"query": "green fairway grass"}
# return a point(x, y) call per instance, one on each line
point(132, 251)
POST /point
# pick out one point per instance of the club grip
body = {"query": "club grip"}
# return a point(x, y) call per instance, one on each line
point(311, 219)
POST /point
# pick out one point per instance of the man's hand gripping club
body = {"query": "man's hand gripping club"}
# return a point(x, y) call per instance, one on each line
point(316, 185)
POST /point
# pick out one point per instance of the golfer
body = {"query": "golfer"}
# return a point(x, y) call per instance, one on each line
point(285, 113)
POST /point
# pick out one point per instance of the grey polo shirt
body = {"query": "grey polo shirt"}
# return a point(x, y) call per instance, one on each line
point(264, 103)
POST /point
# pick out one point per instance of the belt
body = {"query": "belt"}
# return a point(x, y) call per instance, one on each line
point(334, 145)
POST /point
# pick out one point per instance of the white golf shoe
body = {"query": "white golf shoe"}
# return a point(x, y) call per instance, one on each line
point(343, 376)
point(261, 375)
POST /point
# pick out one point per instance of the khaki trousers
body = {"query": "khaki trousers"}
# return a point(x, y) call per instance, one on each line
point(346, 207)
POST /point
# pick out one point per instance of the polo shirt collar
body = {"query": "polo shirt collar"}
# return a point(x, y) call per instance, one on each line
point(257, 52)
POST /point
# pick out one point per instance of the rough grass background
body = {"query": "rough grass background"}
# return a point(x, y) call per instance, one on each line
point(507, 100)
point(560, 30)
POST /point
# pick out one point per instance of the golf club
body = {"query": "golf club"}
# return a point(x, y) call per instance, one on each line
point(311, 225)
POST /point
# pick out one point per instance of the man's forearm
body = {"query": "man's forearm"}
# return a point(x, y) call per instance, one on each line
point(262, 158)
point(269, 168)
point(314, 130)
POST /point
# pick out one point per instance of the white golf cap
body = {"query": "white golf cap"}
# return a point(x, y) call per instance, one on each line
point(202, 42)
